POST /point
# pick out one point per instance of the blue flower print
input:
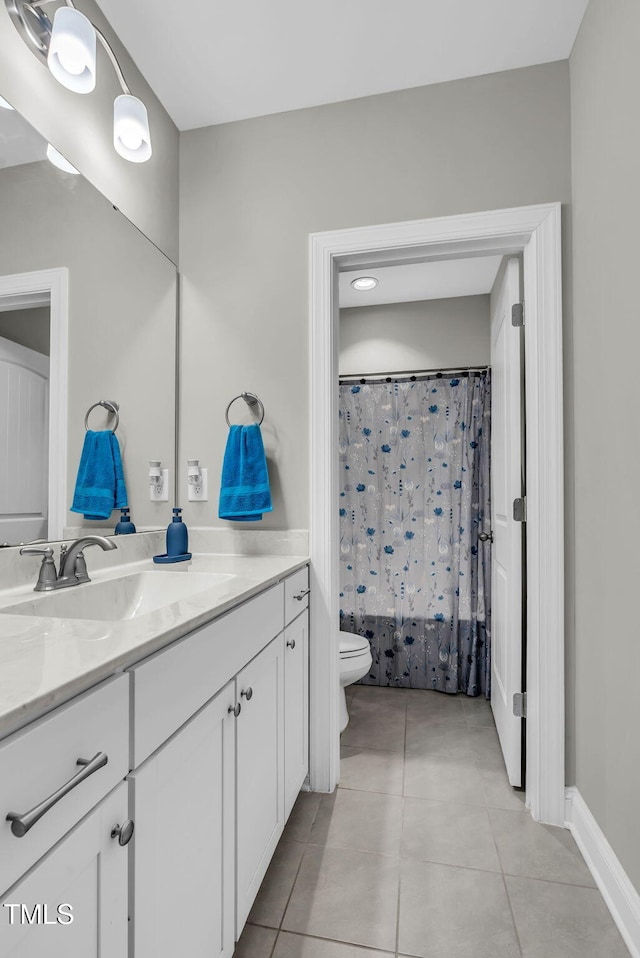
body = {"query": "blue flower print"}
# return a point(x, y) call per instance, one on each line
point(473, 444)
point(369, 634)
point(355, 389)
point(371, 531)
point(343, 512)
point(439, 616)
point(371, 472)
point(409, 535)
point(386, 448)
point(389, 653)
point(405, 433)
point(409, 640)
point(361, 589)
point(433, 408)
point(372, 572)
point(366, 431)
point(360, 487)
point(389, 550)
point(454, 382)
point(457, 484)
point(437, 511)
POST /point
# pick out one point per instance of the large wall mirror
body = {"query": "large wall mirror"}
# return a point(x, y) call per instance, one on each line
point(87, 314)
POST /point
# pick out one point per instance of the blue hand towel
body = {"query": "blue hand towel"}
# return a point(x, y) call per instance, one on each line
point(244, 491)
point(100, 484)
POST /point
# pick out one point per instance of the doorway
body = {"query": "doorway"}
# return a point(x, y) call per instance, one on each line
point(33, 426)
point(533, 232)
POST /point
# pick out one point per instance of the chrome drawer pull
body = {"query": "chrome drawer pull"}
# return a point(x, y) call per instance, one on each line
point(301, 595)
point(21, 823)
point(291, 644)
point(248, 694)
point(124, 833)
point(235, 709)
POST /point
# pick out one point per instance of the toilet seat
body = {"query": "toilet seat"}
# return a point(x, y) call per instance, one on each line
point(352, 645)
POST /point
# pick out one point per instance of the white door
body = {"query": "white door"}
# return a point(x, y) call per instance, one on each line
point(506, 485)
point(296, 708)
point(24, 446)
point(86, 870)
point(183, 847)
point(259, 769)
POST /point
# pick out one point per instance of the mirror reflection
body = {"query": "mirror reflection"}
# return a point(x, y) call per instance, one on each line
point(87, 322)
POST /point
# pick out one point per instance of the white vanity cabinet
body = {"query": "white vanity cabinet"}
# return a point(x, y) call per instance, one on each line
point(183, 854)
point(83, 877)
point(259, 772)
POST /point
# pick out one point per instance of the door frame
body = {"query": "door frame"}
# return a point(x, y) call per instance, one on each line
point(535, 232)
point(36, 288)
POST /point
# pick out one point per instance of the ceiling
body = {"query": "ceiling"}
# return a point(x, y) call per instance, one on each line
point(472, 276)
point(212, 62)
point(19, 142)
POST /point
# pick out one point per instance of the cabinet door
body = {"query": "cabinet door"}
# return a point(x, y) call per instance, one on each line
point(87, 872)
point(183, 866)
point(260, 772)
point(296, 708)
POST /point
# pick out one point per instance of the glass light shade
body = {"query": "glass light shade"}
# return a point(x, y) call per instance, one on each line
point(72, 50)
point(59, 160)
point(131, 136)
point(4, 105)
point(364, 283)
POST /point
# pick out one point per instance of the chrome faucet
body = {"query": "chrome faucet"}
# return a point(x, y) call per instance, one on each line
point(73, 568)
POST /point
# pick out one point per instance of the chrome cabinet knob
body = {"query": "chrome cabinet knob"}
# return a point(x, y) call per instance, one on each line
point(291, 644)
point(247, 693)
point(236, 709)
point(486, 537)
point(124, 833)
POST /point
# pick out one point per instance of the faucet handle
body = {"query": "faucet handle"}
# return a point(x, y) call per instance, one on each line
point(48, 552)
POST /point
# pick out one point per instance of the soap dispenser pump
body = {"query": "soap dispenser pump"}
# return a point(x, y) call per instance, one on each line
point(125, 526)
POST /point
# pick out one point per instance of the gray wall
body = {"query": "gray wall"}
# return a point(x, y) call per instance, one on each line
point(605, 128)
point(252, 191)
point(27, 327)
point(81, 127)
point(429, 334)
point(122, 305)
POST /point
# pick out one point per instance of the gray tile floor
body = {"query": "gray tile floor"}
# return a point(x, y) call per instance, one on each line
point(425, 850)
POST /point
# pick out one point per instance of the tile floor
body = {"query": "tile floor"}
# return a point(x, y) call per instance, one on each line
point(425, 850)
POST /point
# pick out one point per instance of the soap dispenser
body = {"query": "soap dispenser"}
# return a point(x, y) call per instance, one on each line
point(177, 541)
point(177, 536)
point(125, 526)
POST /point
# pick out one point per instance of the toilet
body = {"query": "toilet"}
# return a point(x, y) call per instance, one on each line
point(355, 662)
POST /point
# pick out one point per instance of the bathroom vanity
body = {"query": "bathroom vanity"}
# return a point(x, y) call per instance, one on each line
point(201, 709)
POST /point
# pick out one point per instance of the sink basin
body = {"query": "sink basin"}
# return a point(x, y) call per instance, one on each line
point(116, 600)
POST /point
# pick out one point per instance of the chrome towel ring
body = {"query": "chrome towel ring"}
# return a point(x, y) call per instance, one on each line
point(251, 400)
point(108, 404)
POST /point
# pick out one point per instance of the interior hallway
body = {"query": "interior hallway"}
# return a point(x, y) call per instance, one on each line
point(425, 850)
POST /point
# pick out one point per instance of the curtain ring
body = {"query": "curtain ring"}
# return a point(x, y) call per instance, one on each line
point(107, 404)
point(251, 400)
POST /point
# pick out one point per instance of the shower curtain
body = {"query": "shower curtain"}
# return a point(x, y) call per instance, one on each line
point(414, 495)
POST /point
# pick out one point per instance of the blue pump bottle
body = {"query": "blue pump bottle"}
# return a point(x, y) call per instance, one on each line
point(124, 527)
point(177, 536)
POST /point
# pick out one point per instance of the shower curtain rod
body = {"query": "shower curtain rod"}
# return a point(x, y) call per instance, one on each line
point(411, 374)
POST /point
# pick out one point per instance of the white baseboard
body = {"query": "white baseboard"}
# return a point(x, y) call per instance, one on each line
point(622, 899)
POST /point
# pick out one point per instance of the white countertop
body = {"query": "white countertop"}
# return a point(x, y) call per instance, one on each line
point(46, 661)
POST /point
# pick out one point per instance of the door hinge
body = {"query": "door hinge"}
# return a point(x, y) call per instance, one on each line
point(517, 314)
point(520, 704)
point(520, 509)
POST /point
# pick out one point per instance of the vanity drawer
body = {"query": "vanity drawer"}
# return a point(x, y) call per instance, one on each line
point(296, 594)
point(36, 761)
point(170, 686)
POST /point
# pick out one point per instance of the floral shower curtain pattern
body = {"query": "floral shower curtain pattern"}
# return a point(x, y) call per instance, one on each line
point(414, 495)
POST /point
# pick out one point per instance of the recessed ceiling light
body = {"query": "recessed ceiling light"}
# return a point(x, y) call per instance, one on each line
point(4, 104)
point(364, 283)
point(60, 161)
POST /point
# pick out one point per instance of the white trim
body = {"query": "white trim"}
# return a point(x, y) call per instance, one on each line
point(535, 231)
point(622, 899)
point(55, 284)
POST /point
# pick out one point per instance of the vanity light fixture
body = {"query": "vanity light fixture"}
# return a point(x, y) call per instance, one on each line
point(364, 283)
point(4, 105)
point(60, 161)
point(68, 47)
